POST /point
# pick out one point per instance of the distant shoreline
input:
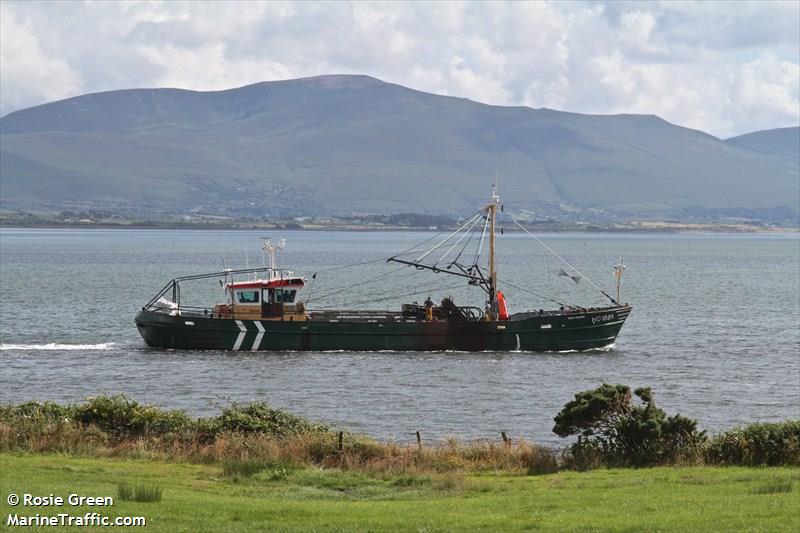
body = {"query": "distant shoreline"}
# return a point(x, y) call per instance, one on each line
point(553, 228)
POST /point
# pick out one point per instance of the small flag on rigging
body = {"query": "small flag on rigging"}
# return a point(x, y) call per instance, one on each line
point(575, 278)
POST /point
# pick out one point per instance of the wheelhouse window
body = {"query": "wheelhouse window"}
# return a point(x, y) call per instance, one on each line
point(247, 297)
point(285, 295)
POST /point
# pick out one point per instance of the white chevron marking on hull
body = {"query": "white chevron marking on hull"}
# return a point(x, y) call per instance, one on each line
point(260, 335)
point(240, 338)
point(517, 349)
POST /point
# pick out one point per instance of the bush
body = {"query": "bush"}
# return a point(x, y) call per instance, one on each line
point(609, 426)
point(261, 418)
point(123, 417)
point(120, 425)
point(35, 411)
point(538, 461)
point(279, 473)
point(582, 456)
point(770, 444)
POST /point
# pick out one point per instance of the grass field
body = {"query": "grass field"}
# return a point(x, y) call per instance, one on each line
point(207, 498)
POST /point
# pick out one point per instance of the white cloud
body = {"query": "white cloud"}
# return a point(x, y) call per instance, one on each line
point(766, 90)
point(477, 85)
point(637, 29)
point(27, 74)
point(726, 68)
point(209, 67)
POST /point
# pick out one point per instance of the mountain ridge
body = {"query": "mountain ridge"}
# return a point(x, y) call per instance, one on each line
point(780, 141)
point(346, 144)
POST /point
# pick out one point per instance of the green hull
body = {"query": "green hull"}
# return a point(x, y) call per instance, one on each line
point(528, 332)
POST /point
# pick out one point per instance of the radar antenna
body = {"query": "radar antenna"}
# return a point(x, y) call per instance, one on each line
point(270, 249)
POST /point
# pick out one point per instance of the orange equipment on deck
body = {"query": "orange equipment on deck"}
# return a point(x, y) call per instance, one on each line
point(502, 310)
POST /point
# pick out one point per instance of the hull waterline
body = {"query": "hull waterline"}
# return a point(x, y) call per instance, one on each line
point(550, 332)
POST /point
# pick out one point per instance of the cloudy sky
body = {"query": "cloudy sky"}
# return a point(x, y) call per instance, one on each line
point(723, 67)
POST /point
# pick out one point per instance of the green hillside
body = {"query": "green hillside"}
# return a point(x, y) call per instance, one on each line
point(353, 144)
point(781, 141)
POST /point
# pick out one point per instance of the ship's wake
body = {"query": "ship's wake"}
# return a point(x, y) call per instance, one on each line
point(55, 346)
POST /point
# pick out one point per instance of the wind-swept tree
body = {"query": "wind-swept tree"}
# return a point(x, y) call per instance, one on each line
point(610, 425)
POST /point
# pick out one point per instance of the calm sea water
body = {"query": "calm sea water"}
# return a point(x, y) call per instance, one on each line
point(715, 329)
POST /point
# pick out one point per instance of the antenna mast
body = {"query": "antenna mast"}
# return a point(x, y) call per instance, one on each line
point(270, 249)
point(619, 269)
point(492, 212)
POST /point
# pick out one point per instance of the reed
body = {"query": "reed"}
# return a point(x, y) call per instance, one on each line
point(139, 492)
point(243, 468)
point(779, 487)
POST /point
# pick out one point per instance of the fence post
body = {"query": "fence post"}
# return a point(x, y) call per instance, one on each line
point(341, 440)
point(419, 441)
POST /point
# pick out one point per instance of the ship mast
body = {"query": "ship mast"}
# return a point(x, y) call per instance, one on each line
point(491, 311)
point(473, 272)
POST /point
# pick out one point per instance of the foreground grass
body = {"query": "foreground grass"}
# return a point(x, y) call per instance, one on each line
point(203, 498)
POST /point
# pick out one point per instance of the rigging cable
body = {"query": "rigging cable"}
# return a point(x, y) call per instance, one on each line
point(420, 291)
point(506, 282)
point(378, 260)
point(564, 261)
point(468, 231)
point(480, 244)
point(470, 223)
point(426, 241)
point(421, 243)
point(311, 288)
point(423, 256)
point(392, 292)
point(360, 283)
point(332, 269)
point(466, 244)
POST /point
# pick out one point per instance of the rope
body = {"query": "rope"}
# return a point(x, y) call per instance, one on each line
point(420, 244)
point(332, 269)
point(470, 223)
point(423, 256)
point(393, 296)
point(480, 244)
point(564, 260)
point(506, 282)
point(468, 231)
point(393, 291)
point(378, 260)
point(466, 244)
point(361, 283)
point(311, 288)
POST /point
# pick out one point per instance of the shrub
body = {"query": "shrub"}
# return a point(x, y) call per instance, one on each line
point(770, 444)
point(261, 418)
point(611, 427)
point(35, 411)
point(537, 461)
point(123, 417)
point(317, 447)
point(279, 473)
point(582, 456)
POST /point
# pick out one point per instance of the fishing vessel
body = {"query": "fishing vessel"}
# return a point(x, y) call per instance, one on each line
point(262, 309)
